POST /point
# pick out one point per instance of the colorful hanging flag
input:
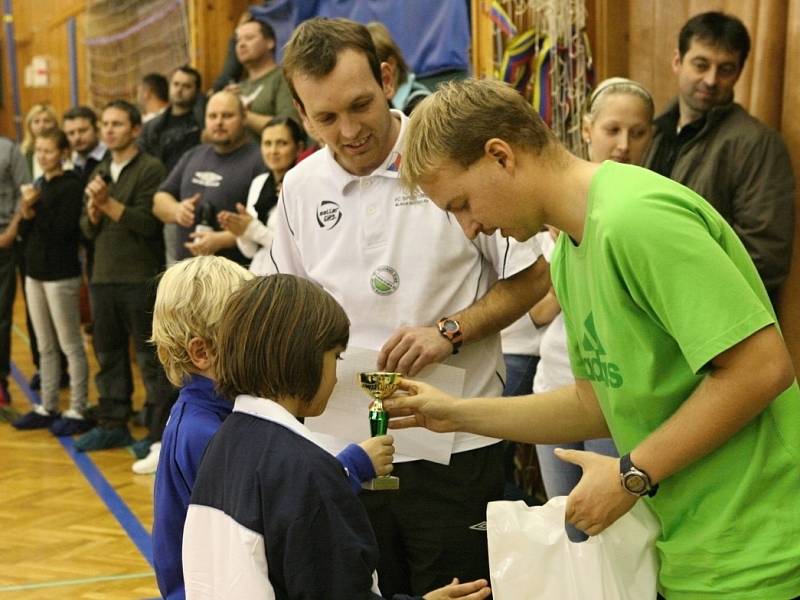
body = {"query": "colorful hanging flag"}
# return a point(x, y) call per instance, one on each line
point(542, 84)
point(500, 18)
point(516, 66)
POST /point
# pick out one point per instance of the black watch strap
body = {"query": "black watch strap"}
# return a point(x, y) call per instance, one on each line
point(450, 329)
point(628, 469)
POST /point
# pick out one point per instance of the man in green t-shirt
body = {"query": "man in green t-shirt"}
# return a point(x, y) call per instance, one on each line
point(672, 340)
point(264, 92)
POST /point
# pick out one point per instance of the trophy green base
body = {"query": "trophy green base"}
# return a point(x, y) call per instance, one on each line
point(380, 484)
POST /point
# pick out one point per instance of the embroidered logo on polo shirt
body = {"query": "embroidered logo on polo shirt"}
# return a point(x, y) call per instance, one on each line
point(410, 199)
point(328, 214)
point(598, 369)
point(384, 280)
point(207, 178)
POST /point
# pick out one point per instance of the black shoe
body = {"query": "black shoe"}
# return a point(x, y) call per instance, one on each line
point(36, 382)
point(39, 418)
point(67, 424)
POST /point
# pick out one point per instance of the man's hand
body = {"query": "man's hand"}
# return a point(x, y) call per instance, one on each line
point(97, 190)
point(205, 243)
point(424, 406)
point(93, 212)
point(380, 450)
point(599, 499)
point(184, 210)
point(236, 222)
point(410, 349)
point(472, 590)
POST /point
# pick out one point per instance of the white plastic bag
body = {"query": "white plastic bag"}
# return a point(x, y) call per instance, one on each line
point(531, 558)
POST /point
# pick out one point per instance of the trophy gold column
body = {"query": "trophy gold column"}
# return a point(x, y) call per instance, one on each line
point(379, 385)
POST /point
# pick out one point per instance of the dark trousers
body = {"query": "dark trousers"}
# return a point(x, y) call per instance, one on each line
point(8, 289)
point(123, 311)
point(423, 529)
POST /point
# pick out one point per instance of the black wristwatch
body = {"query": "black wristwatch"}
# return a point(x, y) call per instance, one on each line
point(634, 480)
point(451, 330)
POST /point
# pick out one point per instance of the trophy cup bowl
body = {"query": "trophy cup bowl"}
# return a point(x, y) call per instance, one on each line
point(379, 385)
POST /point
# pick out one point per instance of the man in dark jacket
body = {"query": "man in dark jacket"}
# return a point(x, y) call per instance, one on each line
point(711, 144)
point(129, 253)
point(176, 131)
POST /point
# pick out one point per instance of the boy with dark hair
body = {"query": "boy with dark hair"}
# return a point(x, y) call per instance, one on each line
point(272, 515)
point(190, 304)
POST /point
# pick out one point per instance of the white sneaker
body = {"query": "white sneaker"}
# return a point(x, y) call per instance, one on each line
point(149, 464)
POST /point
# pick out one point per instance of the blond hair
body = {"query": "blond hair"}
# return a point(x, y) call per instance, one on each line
point(190, 302)
point(618, 85)
point(455, 122)
point(388, 49)
point(28, 138)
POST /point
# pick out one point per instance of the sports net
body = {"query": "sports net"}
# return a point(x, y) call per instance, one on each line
point(127, 39)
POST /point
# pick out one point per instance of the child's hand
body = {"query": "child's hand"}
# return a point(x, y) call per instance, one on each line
point(380, 451)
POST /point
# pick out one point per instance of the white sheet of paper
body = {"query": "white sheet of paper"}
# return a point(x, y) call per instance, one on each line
point(345, 419)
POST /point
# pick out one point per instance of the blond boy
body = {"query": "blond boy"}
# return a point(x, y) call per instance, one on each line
point(191, 300)
point(189, 305)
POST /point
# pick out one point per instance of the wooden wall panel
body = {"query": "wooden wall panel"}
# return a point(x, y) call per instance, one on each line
point(211, 23)
point(767, 70)
point(40, 30)
point(607, 23)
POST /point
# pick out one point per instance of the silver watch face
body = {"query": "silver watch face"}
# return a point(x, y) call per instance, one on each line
point(634, 483)
point(450, 326)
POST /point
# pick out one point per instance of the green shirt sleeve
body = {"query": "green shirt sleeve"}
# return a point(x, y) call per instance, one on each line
point(690, 273)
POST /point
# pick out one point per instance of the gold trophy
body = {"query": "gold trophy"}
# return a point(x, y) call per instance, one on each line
point(379, 386)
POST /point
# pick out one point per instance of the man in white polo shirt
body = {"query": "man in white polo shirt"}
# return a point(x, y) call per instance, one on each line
point(412, 285)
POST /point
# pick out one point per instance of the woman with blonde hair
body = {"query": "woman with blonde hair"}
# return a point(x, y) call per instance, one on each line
point(40, 118)
point(618, 124)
